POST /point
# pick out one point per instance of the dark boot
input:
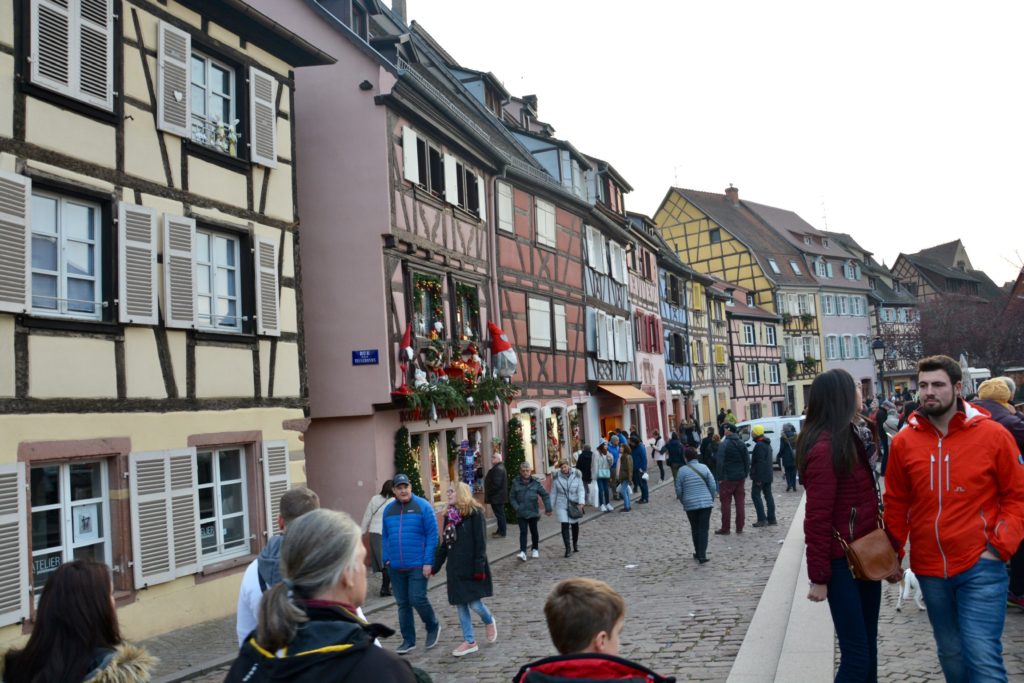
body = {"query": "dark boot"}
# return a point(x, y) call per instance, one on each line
point(575, 537)
point(565, 539)
point(385, 586)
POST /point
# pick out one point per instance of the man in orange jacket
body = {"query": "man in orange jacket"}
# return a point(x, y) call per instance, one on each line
point(955, 484)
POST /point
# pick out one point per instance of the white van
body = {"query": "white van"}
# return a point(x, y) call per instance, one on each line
point(772, 431)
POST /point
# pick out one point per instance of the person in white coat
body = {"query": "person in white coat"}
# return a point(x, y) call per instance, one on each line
point(567, 499)
point(373, 524)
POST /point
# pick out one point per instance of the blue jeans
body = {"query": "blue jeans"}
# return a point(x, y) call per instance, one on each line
point(645, 492)
point(854, 606)
point(410, 589)
point(602, 491)
point(624, 492)
point(967, 612)
point(466, 619)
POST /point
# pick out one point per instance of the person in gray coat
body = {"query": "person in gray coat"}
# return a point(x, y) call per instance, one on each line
point(568, 492)
point(696, 489)
point(523, 499)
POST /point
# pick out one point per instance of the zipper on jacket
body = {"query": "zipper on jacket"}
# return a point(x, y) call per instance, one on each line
point(947, 471)
point(938, 541)
point(931, 474)
point(401, 518)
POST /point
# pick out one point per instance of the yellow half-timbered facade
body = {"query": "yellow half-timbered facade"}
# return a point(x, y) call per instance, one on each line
point(150, 331)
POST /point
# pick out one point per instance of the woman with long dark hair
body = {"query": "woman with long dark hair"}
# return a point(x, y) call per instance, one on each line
point(76, 636)
point(373, 525)
point(841, 498)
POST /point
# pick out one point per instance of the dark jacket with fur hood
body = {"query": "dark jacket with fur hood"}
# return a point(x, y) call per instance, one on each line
point(124, 664)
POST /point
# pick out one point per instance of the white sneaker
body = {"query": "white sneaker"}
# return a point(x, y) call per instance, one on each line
point(535, 554)
point(522, 556)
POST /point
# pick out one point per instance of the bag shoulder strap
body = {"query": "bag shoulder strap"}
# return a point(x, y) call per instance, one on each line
point(703, 478)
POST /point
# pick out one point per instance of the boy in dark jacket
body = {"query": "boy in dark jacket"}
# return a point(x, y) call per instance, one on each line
point(761, 476)
point(585, 619)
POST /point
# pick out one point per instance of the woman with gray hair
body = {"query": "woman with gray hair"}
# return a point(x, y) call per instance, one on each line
point(308, 627)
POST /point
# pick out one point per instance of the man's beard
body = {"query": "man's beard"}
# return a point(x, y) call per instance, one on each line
point(936, 409)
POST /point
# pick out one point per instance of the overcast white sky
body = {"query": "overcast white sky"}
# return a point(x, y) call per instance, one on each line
point(897, 122)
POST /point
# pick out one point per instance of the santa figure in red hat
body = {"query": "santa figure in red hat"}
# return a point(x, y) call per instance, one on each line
point(405, 354)
point(503, 356)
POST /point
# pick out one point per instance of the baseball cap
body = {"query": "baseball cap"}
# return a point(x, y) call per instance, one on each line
point(757, 430)
point(400, 479)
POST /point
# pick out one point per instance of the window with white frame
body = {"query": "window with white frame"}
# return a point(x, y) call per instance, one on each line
point(846, 346)
point(863, 348)
point(66, 251)
point(808, 240)
point(753, 376)
point(623, 343)
point(597, 250)
point(857, 305)
point(561, 338)
point(795, 267)
point(218, 281)
point(469, 187)
point(773, 373)
point(748, 333)
point(70, 516)
point(617, 259)
point(849, 271)
point(828, 304)
point(843, 305)
point(774, 266)
point(802, 305)
point(506, 211)
point(810, 348)
point(223, 504)
point(901, 315)
point(545, 214)
point(769, 335)
point(540, 322)
point(214, 97)
point(831, 347)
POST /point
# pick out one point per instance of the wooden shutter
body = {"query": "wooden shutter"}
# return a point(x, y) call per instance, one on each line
point(540, 322)
point(409, 154)
point(96, 52)
point(591, 247)
point(15, 243)
point(164, 515)
point(481, 198)
point(561, 339)
point(268, 308)
point(451, 179)
point(600, 340)
point(565, 169)
point(52, 52)
point(506, 215)
point(173, 83)
point(179, 271)
point(136, 246)
point(276, 479)
point(14, 548)
point(263, 118)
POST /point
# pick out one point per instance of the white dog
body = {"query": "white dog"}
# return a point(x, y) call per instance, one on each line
point(909, 584)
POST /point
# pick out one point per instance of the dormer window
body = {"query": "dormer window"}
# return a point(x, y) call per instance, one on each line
point(808, 240)
point(795, 267)
point(774, 266)
point(825, 242)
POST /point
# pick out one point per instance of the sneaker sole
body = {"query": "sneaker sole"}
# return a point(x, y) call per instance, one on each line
point(495, 638)
point(463, 653)
point(400, 651)
point(437, 637)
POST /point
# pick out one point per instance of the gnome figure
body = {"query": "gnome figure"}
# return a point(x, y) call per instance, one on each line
point(503, 356)
point(405, 354)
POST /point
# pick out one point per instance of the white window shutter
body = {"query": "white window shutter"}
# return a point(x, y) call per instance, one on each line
point(53, 58)
point(96, 52)
point(410, 155)
point(136, 246)
point(276, 479)
point(263, 118)
point(164, 515)
point(601, 340)
point(540, 322)
point(630, 341)
point(15, 243)
point(267, 296)
point(14, 547)
point(481, 198)
point(565, 169)
point(794, 304)
point(798, 348)
point(451, 179)
point(561, 339)
point(609, 332)
point(810, 305)
point(589, 233)
point(173, 83)
point(591, 186)
point(621, 353)
point(179, 271)
point(506, 220)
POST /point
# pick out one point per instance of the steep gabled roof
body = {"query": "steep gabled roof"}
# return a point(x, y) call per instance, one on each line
point(793, 228)
point(764, 243)
point(738, 306)
point(943, 253)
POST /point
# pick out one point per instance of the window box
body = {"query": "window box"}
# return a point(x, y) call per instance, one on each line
point(807, 319)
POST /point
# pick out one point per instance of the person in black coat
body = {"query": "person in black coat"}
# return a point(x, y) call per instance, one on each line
point(676, 454)
point(585, 464)
point(464, 546)
point(761, 476)
point(496, 493)
point(787, 456)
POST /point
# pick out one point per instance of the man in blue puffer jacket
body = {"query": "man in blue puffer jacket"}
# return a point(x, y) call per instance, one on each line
point(408, 541)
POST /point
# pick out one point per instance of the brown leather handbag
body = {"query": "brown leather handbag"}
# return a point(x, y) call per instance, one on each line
point(870, 557)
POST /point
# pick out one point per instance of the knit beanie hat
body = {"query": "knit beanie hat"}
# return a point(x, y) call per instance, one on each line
point(996, 390)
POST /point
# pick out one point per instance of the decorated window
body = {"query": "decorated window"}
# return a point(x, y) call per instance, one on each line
point(427, 304)
point(467, 312)
point(213, 95)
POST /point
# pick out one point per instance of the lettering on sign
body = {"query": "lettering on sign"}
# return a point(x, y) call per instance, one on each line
point(45, 565)
point(365, 357)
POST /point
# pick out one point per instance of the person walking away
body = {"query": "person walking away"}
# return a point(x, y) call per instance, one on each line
point(567, 492)
point(658, 452)
point(496, 493)
point(879, 418)
point(409, 540)
point(761, 476)
point(955, 486)
point(602, 475)
point(585, 619)
point(372, 524)
point(841, 499)
point(308, 630)
point(265, 571)
point(696, 489)
point(787, 455)
point(733, 466)
point(721, 423)
point(676, 454)
point(640, 476)
point(464, 547)
point(523, 498)
point(76, 636)
point(585, 464)
point(704, 450)
point(624, 477)
point(615, 449)
point(909, 406)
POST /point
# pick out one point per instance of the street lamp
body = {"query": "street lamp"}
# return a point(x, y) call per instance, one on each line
point(878, 351)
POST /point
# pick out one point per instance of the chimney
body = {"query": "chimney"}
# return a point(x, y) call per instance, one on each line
point(531, 102)
point(733, 195)
point(398, 7)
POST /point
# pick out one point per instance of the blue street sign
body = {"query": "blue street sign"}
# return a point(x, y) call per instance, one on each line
point(365, 357)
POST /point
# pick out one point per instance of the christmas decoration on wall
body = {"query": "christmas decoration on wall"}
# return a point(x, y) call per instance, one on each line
point(428, 303)
point(407, 460)
point(405, 354)
point(503, 356)
point(467, 311)
point(515, 455)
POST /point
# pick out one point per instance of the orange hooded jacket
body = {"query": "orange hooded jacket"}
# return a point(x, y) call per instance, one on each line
point(954, 495)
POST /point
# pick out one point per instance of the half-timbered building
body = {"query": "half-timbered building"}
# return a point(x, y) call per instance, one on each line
point(648, 332)
point(150, 326)
point(755, 356)
point(709, 347)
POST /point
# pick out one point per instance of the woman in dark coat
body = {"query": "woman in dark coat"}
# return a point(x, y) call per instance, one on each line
point(464, 546)
point(787, 455)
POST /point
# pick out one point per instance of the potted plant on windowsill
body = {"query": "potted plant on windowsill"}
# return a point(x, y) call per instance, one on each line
point(786, 318)
point(791, 366)
point(807, 319)
point(810, 364)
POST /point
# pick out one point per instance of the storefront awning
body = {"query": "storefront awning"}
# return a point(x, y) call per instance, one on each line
point(627, 393)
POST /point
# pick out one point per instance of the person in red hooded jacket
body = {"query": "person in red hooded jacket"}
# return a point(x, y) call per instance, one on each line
point(585, 619)
point(955, 486)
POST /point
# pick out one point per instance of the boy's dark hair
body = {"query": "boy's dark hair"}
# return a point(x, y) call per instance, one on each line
point(577, 609)
point(297, 502)
point(952, 368)
point(692, 453)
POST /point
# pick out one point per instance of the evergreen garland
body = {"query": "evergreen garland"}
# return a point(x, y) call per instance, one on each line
point(406, 461)
point(515, 455)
